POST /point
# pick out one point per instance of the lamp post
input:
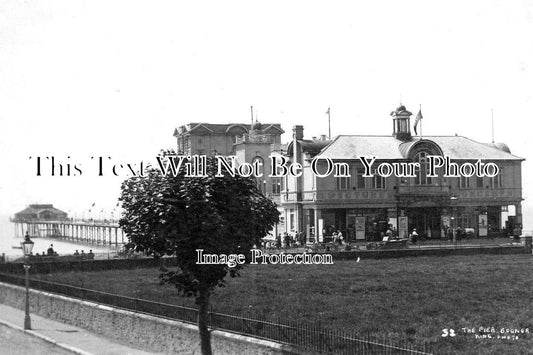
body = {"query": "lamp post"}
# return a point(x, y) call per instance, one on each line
point(27, 247)
point(453, 198)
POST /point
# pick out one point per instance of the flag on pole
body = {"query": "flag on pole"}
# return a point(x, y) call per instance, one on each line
point(328, 111)
point(418, 118)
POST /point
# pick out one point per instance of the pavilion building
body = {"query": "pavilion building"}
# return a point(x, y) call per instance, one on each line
point(362, 207)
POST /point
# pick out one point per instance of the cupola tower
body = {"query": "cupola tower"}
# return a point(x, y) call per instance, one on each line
point(401, 123)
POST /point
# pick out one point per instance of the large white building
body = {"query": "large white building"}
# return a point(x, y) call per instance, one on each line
point(362, 207)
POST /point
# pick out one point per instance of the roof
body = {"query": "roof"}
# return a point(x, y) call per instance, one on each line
point(309, 146)
point(223, 128)
point(37, 209)
point(348, 147)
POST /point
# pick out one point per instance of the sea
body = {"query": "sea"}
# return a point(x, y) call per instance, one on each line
point(10, 245)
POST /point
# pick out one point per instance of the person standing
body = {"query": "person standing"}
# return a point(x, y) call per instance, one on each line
point(449, 233)
point(414, 236)
point(340, 237)
point(389, 233)
point(286, 239)
point(278, 241)
point(459, 234)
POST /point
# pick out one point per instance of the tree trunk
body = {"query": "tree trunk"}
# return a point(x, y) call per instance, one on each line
point(203, 317)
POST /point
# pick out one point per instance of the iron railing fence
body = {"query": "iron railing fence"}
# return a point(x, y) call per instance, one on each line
point(295, 333)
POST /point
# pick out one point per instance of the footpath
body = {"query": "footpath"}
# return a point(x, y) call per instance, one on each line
point(73, 339)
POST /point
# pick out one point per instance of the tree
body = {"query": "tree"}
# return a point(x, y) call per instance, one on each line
point(176, 215)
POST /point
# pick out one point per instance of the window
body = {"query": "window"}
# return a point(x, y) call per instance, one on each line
point(360, 180)
point(402, 125)
point(464, 182)
point(343, 183)
point(496, 182)
point(276, 186)
point(261, 165)
point(292, 221)
point(187, 146)
point(422, 172)
point(180, 145)
point(479, 182)
point(378, 180)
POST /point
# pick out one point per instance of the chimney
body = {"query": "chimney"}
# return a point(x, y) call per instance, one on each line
point(298, 132)
point(322, 137)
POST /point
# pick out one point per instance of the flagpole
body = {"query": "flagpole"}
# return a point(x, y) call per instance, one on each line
point(420, 110)
point(492, 119)
point(329, 122)
point(252, 116)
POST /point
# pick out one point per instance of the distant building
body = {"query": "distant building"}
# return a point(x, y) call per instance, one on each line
point(211, 139)
point(40, 212)
point(362, 207)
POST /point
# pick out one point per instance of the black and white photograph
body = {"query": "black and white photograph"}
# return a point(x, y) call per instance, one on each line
point(251, 177)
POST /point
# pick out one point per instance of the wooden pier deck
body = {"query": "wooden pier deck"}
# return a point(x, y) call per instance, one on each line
point(77, 231)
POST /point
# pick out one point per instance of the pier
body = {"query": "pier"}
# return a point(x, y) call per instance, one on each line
point(46, 221)
point(84, 232)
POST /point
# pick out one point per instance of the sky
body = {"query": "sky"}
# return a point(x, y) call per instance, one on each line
point(84, 79)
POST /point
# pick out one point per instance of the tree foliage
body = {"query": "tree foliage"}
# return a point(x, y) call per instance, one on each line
point(176, 215)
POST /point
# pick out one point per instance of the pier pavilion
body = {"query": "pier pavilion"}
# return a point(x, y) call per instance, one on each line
point(46, 221)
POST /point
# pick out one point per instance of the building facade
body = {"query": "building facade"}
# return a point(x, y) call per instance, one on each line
point(212, 139)
point(362, 207)
point(247, 142)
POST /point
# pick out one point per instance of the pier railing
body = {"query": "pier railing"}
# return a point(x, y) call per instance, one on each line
point(101, 232)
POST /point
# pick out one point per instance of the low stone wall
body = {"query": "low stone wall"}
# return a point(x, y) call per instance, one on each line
point(414, 252)
point(141, 330)
point(50, 267)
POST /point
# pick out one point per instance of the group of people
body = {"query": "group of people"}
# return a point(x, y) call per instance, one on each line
point(392, 233)
point(459, 233)
point(288, 240)
point(49, 252)
point(449, 232)
point(338, 238)
point(88, 256)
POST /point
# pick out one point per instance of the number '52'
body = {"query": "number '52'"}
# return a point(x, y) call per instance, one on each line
point(448, 333)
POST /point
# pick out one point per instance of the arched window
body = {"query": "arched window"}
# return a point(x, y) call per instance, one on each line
point(422, 177)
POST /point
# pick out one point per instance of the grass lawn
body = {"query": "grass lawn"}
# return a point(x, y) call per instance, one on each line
point(394, 298)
